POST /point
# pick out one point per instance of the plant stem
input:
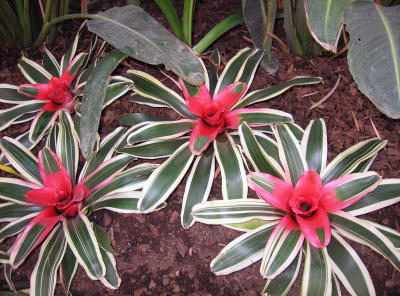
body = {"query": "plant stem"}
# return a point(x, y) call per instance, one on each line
point(169, 11)
point(60, 19)
point(216, 32)
point(187, 20)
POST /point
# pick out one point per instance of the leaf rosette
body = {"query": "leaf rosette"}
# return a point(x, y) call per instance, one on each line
point(306, 208)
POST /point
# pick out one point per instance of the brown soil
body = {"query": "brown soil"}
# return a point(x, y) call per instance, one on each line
point(156, 256)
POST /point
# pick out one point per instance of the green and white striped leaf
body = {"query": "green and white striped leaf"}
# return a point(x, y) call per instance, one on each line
point(103, 238)
point(242, 251)
point(104, 153)
point(25, 118)
point(387, 193)
point(165, 178)
point(68, 268)
point(249, 225)
point(4, 257)
point(361, 232)
point(67, 145)
point(335, 286)
point(280, 251)
point(9, 116)
point(9, 94)
point(33, 71)
point(41, 124)
point(348, 267)
point(234, 182)
point(325, 20)
point(259, 158)
point(213, 71)
point(24, 140)
point(111, 279)
point(10, 211)
point(136, 118)
point(149, 87)
point(50, 63)
point(116, 90)
point(391, 234)
point(317, 274)
point(275, 90)
point(290, 153)
point(7, 275)
point(348, 160)
point(233, 69)
point(281, 284)
point(161, 130)
point(106, 170)
point(154, 149)
point(69, 55)
point(261, 116)
point(21, 159)
point(122, 202)
point(93, 99)
point(14, 190)
point(44, 275)
point(136, 98)
point(52, 138)
point(82, 241)
point(128, 180)
point(16, 226)
point(221, 212)
point(315, 145)
point(268, 145)
point(198, 185)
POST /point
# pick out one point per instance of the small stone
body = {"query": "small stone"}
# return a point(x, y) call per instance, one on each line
point(152, 284)
point(177, 289)
point(174, 215)
point(140, 218)
point(165, 281)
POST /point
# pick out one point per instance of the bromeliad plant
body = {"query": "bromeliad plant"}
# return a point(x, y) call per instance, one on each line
point(212, 111)
point(306, 207)
point(52, 206)
point(53, 88)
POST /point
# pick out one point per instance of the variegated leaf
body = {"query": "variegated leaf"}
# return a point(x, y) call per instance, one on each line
point(315, 145)
point(41, 124)
point(33, 71)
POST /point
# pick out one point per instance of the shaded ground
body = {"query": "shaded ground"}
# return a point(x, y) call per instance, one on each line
point(155, 255)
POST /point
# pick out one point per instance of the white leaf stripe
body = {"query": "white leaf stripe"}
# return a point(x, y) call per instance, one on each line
point(80, 236)
point(16, 226)
point(29, 67)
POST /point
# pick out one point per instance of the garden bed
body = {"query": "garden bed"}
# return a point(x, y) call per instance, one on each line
point(155, 255)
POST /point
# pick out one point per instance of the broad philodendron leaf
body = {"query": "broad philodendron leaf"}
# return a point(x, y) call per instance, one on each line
point(93, 98)
point(374, 53)
point(133, 31)
point(325, 19)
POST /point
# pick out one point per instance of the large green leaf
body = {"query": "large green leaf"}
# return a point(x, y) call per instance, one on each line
point(93, 99)
point(143, 38)
point(325, 18)
point(374, 53)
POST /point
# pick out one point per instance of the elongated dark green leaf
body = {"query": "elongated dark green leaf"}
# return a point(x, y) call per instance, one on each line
point(349, 159)
point(44, 275)
point(82, 241)
point(234, 182)
point(149, 87)
point(391, 234)
point(111, 279)
point(235, 211)
point(139, 99)
point(9, 94)
point(10, 211)
point(317, 275)
point(360, 231)
point(325, 19)
point(67, 145)
point(116, 90)
point(146, 40)
point(166, 178)
point(282, 283)
point(21, 159)
point(198, 185)
point(154, 149)
point(33, 71)
point(275, 90)
point(135, 118)
point(386, 194)
point(173, 20)
point(16, 226)
point(129, 180)
point(41, 125)
point(14, 190)
point(290, 153)
point(106, 149)
point(93, 99)
point(315, 145)
point(242, 252)
point(8, 116)
point(68, 268)
point(122, 202)
point(259, 158)
point(348, 267)
point(374, 53)
point(4, 257)
point(50, 63)
point(161, 130)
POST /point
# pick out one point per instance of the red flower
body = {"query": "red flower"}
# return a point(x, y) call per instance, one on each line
point(214, 115)
point(307, 204)
point(56, 91)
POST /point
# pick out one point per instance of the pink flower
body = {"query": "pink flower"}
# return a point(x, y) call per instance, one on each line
point(307, 204)
point(213, 114)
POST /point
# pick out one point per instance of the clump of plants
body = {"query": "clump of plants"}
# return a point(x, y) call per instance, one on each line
point(306, 207)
